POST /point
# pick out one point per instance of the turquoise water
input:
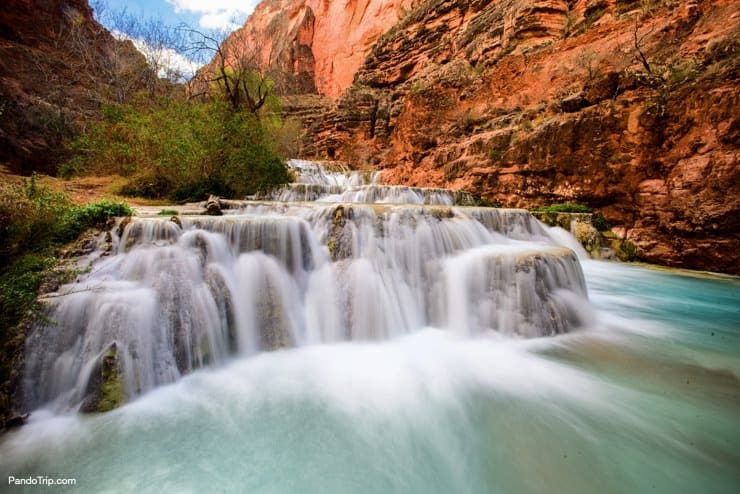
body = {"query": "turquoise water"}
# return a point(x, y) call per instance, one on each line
point(646, 398)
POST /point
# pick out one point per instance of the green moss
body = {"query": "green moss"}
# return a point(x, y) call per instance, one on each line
point(168, 212)
point(108, 389)
point(113, 395)
point(554, 218)
point(626, 251)
point(336, 229)
point(600, 222)
point(484, 203)
point(565, 208)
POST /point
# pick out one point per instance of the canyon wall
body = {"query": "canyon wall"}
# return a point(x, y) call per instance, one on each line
point(630, 107)
point(57, 67)
point(317, 44)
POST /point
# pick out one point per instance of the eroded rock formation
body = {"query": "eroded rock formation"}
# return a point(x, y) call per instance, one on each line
point(317, 44)
point(630, 107)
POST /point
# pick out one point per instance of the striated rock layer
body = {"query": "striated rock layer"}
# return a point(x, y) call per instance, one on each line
point(317, 44)
point(630, 107)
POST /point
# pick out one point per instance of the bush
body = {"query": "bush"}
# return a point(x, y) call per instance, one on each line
point(185, 151)
point(92, 215)
point(566, 208)
point(35, 219)
point(600, 222)
point(19, 283)
point(33, 222)
point(29, 218)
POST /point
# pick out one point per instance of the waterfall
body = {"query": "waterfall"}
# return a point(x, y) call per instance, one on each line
point(335, 257)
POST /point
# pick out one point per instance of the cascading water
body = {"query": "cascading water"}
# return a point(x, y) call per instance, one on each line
point(315, 183)
point(178, 295)
point(414, 359)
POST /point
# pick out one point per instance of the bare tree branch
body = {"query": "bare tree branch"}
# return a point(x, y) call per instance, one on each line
point(638, 43)
point(234, 69)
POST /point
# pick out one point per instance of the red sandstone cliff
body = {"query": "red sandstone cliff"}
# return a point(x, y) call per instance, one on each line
point(320, 44)
point(631, 107)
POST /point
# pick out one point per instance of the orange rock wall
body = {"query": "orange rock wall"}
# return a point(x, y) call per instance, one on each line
point(534, 102)
point(320, 43)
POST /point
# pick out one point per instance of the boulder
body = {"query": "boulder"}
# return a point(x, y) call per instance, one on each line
point(106, 389)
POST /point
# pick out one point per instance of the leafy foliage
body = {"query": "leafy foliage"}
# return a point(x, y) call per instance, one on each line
point(183, 151)
point(33, 222)
point(34, 218)
point(600, 222)
point(94, 214)
point(566, 208)
point(19, 283)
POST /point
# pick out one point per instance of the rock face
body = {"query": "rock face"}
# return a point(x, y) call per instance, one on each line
point(318, 44)
point(57, 66)
point(629, 107)
point(105, 389)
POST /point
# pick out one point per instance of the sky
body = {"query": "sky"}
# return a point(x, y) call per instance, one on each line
point(201, 14)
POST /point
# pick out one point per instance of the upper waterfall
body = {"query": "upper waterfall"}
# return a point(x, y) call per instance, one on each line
point(176, 294)
point(315, 183)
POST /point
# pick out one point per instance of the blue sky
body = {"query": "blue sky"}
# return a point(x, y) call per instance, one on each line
point(202, 14)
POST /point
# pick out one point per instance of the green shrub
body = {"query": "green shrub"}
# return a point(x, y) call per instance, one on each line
point(566, 208)
point(495, 155)
point(29, 218)
point(185, 151)
point(484, 203)
point(146, 185)
point(92, 215)
point(35, 219)
point(19, 283)
point(600, 222)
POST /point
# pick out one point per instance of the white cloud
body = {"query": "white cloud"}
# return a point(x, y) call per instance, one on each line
point(217, 14)
point(169, 63)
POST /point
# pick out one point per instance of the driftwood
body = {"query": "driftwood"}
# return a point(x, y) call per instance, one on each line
point(213, 206)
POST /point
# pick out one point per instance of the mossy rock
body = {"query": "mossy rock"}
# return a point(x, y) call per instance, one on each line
point(340, 238)
point(625, 250)
point(554, 219)
point(106, 389)
point(588, 237)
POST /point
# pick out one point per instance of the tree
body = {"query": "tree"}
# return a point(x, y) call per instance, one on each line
point(639, 49)
point(234, 71)
point(158, 43)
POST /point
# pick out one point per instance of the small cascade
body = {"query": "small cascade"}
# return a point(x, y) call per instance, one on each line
point(174, 295)
point(315, 183)
point(312, 173)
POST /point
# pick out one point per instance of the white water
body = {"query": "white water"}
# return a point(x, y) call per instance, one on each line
point(315, 183)
point(175, 298)
point(416, 361)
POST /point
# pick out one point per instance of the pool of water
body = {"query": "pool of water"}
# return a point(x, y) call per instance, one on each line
point(646, 398)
